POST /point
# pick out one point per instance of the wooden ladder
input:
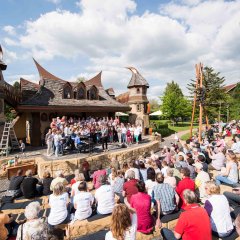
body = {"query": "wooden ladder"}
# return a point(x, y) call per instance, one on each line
point(8, 134)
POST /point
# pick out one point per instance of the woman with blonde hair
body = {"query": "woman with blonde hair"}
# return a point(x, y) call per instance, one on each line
point(112, 176)
point(79, 178)
point(218, 209)
point(123, 224)
point(58, 202)
point(230, 175)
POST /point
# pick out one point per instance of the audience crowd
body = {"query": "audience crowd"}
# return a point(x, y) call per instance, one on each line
point(183, 179)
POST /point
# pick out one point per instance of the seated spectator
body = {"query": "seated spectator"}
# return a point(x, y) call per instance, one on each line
point(141, 202)
point(15, 183)
point(46, 183)
point(8, 227)
point(181, 163)
point(235, 146)
point(86, 170)
point(59, 178)
point(112, 176)
point(201, 179)
point(191, 168)
point(218, 159)
point(76, 173)
point(132, 167)
point(218, 210)
point(83, 202)
point(34, 227)
point(233, 197)
point(230, 175)
point(185, 183)
point(114, 163)
point(104, 196)
point(193, 223)
point(150, 183)
point(58, 202)
point(123, 224)
point(166, 197)
point(142, 171)
point(129, 187)
point(118, 184)
point(79, 179)
point(176, 172)
point(96, 176)
point(29, 185)
point(170, 179)
point(164, 168)
point(202, 160)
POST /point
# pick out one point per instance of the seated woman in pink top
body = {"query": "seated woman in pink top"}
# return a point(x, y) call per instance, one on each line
point(96, 176)
point(141, 202)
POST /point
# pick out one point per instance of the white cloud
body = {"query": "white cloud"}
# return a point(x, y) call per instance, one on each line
point(163, 46)
point(9, 30)
point(10, 42)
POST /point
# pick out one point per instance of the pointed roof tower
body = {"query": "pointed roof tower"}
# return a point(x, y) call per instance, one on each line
point(44, 74)
point(137, 79)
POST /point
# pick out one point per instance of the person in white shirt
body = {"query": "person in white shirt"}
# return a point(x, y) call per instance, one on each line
point(58, 202)
point(83, 202)
point(132, 168)
point(218, 159)
point(150, 183)
point(218, 209)
point(123, 132)
point(123, 224)
point(104, 196)
point(235, 146)
point(201, 179)
point(136, 134)
point(79, 178)
point(164, 168)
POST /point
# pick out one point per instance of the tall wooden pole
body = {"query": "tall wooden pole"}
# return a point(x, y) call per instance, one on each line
point(200, 104)
point(194, 100)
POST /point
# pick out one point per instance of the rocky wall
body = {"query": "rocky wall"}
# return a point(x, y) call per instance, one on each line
point(68, 166)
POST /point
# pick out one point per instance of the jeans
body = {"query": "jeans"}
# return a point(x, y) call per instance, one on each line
point(167, 234)
point(233, 199)
point(124, 137)
point(57, 148)
point(223, 179)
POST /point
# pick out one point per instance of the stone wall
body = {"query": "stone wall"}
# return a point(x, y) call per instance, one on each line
point(68, 166)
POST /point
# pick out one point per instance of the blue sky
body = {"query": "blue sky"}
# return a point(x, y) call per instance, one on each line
point(162, 39)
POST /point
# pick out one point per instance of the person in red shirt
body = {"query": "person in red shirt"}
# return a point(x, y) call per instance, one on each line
point(141, 202)
point(129, 187)
point(185, 183)
point(193, 223)
point(96, 176)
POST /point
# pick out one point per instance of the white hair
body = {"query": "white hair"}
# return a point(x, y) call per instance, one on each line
point(59, 173)
point(32, 210)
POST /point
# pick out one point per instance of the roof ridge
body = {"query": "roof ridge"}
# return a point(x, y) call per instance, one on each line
point(96, 80)
point(43, 73)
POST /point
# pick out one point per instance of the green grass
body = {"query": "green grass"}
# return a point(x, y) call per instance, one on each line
point(181, 126)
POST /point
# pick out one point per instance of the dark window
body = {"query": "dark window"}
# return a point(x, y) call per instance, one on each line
point(138, 90)
point(145, 108)
point(144, 91)
point(67, 92)
point(93, 94)
point(75, 95)
point(81, 93)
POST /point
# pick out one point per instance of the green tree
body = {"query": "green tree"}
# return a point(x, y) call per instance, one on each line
point(81, 79)
point(174, 104)
point(215, 95)
point(154, 105)
point(234, 103)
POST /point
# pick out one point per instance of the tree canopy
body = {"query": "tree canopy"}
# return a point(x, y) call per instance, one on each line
point(215, 94)
point(174, 104)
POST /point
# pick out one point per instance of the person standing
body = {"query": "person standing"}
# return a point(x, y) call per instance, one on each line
point(104, 133)
point(49, 142)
